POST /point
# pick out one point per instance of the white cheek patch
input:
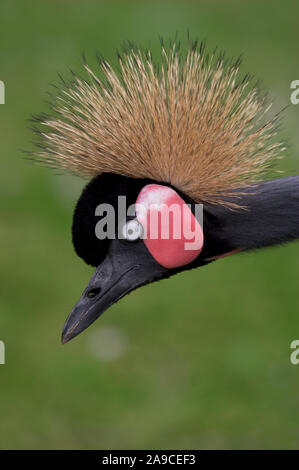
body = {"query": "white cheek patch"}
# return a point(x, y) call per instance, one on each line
point(172, 234)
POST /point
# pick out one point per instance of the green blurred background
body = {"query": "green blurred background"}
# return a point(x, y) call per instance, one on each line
point(198, 361)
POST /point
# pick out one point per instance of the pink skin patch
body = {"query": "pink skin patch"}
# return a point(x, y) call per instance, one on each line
point(172, 234)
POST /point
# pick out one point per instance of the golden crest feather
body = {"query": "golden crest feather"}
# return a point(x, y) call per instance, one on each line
point(190, 122)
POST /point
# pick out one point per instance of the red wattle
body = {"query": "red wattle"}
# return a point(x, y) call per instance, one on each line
point(173, 235)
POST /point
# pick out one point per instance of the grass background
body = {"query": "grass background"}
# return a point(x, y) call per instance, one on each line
point(207, 358)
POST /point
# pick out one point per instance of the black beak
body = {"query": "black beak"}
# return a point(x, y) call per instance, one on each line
point(126, 266)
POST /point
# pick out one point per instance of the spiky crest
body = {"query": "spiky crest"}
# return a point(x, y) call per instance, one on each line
point(190, 122)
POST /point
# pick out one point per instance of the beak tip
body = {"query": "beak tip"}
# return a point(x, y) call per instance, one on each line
point(64, 340)
point(66, 336)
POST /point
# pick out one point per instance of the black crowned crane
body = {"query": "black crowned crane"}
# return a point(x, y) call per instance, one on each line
point(187, 132)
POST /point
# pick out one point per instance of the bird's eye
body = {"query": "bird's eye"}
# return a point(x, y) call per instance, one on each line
point(132, 230)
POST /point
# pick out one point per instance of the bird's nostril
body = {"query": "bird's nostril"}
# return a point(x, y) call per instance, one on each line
point(93, 292)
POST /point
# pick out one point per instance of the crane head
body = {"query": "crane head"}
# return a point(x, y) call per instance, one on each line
point(147, 240)
point(190, 132)
point(134, 232)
